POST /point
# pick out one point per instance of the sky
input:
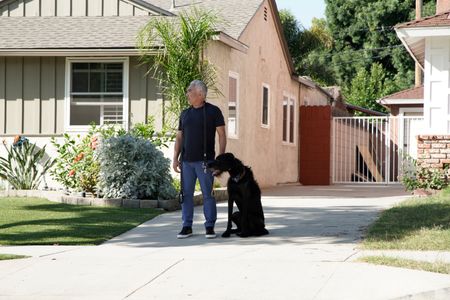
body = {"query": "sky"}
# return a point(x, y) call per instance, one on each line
point(304, 10)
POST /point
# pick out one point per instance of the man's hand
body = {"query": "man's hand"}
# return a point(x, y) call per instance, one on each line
point(176, 165)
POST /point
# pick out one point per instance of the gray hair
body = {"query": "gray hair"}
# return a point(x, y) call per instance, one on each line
point(200, 86)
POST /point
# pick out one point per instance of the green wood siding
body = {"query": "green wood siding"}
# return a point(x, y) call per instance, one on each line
point(2, 96)
point(48, 95)
point(14, 100)
point(32, 95)
point(71, 8)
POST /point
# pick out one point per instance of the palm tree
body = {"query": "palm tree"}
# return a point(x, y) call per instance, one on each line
point(180, 57)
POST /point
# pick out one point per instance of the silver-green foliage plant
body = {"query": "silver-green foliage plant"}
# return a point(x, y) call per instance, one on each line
point(25, 164)
point(132, 167)
point(181, 59)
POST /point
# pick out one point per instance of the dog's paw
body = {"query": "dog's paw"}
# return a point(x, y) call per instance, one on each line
point(226, 234)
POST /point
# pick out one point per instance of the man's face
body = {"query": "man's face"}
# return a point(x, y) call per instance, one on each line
point(194, 96)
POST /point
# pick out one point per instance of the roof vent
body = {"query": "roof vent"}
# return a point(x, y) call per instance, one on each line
point(265, 13)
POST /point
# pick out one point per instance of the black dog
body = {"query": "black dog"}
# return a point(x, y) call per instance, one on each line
point(245, 192)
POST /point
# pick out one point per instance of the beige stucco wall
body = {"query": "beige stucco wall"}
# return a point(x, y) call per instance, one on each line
point(70, 8)
point(32, 92)
point(312, 96)
point(272, 161)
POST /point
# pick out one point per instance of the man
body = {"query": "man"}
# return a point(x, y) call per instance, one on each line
point(192, 153)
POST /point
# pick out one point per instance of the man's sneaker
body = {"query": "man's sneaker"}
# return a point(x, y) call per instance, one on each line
point(210, 234)
point(185, 233)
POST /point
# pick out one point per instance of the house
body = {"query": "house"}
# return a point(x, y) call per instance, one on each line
point(64, 64)
point(428, 42)
point(405, 103)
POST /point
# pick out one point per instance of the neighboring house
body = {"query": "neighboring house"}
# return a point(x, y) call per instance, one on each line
point(404, 103)
point(64, 64)
point(428, 42)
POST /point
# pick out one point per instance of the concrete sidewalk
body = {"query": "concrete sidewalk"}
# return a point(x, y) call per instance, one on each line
point(309, 254)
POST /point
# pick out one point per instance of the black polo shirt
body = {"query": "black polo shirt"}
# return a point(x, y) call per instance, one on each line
point(191, 124)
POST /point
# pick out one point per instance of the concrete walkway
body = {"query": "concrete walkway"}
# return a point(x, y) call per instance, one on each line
point(309, 254)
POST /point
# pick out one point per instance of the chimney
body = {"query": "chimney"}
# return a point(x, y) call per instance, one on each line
point(173, 5)
point(442, 6)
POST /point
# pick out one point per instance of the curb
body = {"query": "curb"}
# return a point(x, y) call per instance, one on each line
point(169, 205)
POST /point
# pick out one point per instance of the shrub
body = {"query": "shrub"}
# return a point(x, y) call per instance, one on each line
point(21, 168)
point(77, 167)
point(417, 177)
point(132, 167)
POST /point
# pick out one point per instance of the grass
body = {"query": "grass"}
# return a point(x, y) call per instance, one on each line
point(33, 221)
point(437, 267)
point(11, 256)
point(417, 224)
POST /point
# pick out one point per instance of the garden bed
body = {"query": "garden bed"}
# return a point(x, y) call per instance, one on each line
point(169, 205)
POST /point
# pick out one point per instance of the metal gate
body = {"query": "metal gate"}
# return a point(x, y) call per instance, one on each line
point(372, 149)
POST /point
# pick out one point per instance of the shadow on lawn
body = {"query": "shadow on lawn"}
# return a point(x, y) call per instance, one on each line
point(401, 221)
point(72, 225)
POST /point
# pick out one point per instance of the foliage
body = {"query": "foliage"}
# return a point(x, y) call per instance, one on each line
point(366, 87)
point(132, 167)
point(25, 164)
point(418, 177)
point(357, 26)
point(34, 221)
point(77, 167)
point(181, 60)
point(310, 49)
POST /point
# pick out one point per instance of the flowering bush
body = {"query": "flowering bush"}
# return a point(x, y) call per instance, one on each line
point(21, 168)
point(132, 167)
point(77, 167)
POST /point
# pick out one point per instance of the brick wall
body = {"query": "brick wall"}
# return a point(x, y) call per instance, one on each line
point(433, 151)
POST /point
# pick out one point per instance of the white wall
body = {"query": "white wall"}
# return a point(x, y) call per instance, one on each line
point(437, 86)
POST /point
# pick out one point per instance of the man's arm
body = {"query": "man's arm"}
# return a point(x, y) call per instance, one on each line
point(222, 139)
point(176, 152)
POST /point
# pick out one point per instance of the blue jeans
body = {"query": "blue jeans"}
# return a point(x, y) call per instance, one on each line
point(190, 172)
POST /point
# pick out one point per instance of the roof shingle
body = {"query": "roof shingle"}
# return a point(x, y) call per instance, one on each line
point(70, 32)
point(440, 20)
point(412, 93)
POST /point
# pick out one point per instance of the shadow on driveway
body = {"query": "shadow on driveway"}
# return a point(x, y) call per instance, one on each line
point(295, 215)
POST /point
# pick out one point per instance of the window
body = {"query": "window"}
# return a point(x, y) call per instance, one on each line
point(265, 106)
point(288, 119)
point(233, 95)
point(96, 93)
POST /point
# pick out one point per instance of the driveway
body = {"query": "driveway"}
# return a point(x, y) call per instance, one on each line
point(309, 254)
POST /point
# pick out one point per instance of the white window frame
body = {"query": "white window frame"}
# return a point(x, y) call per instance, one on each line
point(293, 100)
point(68, 79)
point(402, 110)
point(234, 75)
point(265, 85)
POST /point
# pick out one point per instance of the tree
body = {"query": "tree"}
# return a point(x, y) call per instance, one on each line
point(363, 34)
point(309, 48)
point(180, 60)
point(368, 86)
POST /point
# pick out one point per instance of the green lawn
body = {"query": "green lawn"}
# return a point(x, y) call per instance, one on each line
point(33, 221)
point(416, 224)
point(11, 256)
point(437, 267)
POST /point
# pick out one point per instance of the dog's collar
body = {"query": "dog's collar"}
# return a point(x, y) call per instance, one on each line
point(238, 177)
